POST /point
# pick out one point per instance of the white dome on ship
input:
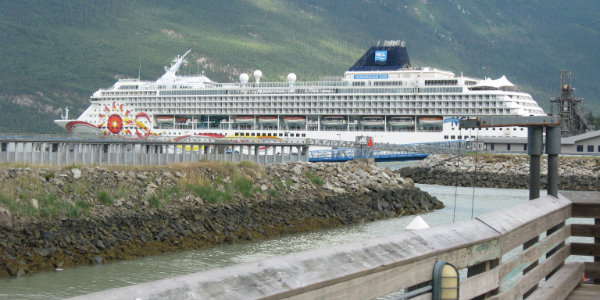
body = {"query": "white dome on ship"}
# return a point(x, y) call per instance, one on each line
point(244, 78)
point(257, 75)
point(291, 78)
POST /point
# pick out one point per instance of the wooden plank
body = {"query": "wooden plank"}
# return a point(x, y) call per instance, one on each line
point(585, 204)
point(479, 284)
point(585, 230)
point(371, 285)
point(516, 264)
point(585, 292)
point(585, 249)
point(525, 221)
point(580, 211)
point(592, 270)
point(561, 284)
point(582, 197)
point(463, 244)
point(533, 277)
point(426, 296)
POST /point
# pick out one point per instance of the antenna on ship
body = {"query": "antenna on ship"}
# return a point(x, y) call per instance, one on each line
point(140, 69)
point(66, 115)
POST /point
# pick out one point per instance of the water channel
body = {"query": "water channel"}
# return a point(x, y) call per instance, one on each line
point(86, 279)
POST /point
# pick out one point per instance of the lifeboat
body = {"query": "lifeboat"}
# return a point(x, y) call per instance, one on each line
point(244, 119)
point(165, 119)
point(372, 121)
point(430, 120)
point(402, 122)
point(181, 119)
point(333, 121)
point(295, 120)
point(268, 120)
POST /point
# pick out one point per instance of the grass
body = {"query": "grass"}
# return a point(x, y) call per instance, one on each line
point(222, 189)
point(47, 207)
point(315, 179)
point(273, 193)
point(210, 193)
point(289, 182)
point(154, 200)
point(104, 197)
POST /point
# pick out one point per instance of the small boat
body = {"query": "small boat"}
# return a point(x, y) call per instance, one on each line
point(165, 119)
point(298, 120)
point(333, 121)
point(244, 119)
point(430, 120)
point(268, 120)
point(181, 119)
point(402, 122)
point(372, 121)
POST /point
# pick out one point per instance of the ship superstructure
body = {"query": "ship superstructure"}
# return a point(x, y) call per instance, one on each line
point(381, 96)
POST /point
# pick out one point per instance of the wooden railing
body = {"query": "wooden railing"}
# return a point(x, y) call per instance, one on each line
point(488, 250)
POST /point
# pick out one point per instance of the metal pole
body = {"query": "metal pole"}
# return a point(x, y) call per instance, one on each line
point(535, 150)
point(553, 134)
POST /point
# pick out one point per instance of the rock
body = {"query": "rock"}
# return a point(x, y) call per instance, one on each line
point(76, 173)
point(100, 245)
point(98, 260)
point(336, 190)
point(42, 251)
point(297, 169)
point(5, 218)
point(34, 203)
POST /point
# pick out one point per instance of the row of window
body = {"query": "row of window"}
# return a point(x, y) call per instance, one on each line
point(580, 148)
point(280, 134)
point(590, 148)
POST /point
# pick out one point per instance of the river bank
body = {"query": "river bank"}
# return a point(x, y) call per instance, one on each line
point(503, 171)
point(55, 218)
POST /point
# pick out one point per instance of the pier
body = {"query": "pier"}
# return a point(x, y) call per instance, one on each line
point(527, 251)
point(68, 150)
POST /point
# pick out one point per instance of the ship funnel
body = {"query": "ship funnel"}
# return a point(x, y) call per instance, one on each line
point(257, 75)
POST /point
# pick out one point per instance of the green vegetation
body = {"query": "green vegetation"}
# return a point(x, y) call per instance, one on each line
point(56, 53)
point(289, 182)
point(104, 197)
point(315, 179)
point(220, 190)
point(274, 193)
point(154, 201)
point(46, 206)
point(593, 120)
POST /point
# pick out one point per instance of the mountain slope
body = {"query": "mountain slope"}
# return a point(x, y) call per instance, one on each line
point(56, 53)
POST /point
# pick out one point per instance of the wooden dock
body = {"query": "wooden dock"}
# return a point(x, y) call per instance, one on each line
point(585, 292)
point(489, 250)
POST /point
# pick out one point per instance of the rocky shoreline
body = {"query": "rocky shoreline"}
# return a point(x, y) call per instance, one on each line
point(503, 171)
point(64, 217)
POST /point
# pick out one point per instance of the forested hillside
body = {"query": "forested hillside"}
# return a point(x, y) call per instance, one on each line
point(56, 53)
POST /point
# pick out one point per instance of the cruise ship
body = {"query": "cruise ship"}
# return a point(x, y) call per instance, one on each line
point(381, 96)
